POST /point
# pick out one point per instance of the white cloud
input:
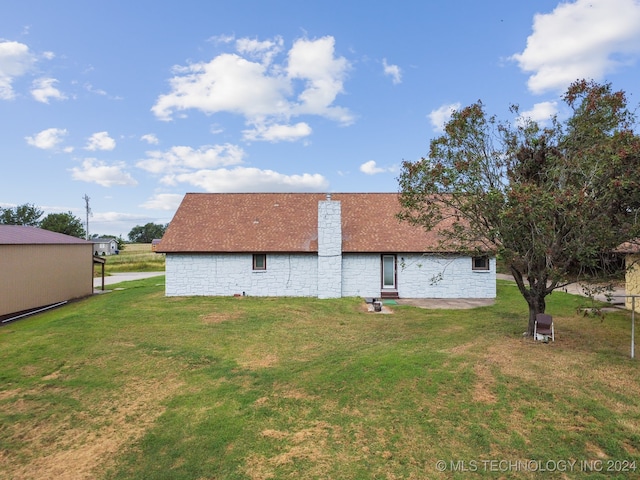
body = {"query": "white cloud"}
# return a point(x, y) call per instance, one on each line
point(113, 217)
point(100, 141)
point(393, 71)
point(583, 39)
point(118, 223)
point(265, 51)
point(276, 133)
point(96, 171)
point(227, 83)
point(150, 138)
point(163, 201)
point(91, 89)
point(307, 82)
point(314, 62)
point(47, 139)
point(222, 39)
point(216, 129)
point(372, 168)
point(15, 61)
point(43, 89)
point(541, 112)
point(241, 179)
point(442, 115)
point(182, 159)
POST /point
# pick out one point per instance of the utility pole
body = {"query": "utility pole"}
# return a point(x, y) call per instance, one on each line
point(88, 211)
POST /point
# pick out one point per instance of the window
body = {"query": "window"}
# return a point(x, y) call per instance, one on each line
point(480, 263)
point(259, 262)
point(388, 271)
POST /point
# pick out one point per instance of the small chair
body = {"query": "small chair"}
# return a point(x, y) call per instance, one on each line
point(543, 326)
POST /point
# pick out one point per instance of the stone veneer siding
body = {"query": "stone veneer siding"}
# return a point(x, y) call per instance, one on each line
point(292, 275)
point(419, 276)
point(297, 275)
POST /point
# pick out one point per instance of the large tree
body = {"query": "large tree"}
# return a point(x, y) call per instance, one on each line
point(26, 214)
point(66, 223)
point(552, 201)
point(146, 233)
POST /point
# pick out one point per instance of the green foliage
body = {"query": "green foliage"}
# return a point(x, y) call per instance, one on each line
point(553, 201)
point(26, 214)
point(147, 233)
point(65, 223)
point(30, 215)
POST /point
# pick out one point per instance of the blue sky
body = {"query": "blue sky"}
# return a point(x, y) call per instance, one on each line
point(135, 103)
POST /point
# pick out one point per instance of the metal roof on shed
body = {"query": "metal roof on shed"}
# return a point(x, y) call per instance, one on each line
point(24, 235)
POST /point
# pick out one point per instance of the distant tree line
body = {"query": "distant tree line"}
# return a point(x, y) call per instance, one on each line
point(69, 224)
point(30, 215)
point(147, 233)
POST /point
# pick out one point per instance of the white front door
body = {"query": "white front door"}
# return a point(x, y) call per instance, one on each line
point(389, 271)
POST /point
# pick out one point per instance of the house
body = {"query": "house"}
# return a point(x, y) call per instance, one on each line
point(40, 268)
point(306, 244)
point(105, 246)
point(154, 244)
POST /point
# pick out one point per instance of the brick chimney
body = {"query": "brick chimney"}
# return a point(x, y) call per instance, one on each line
point(329, 248)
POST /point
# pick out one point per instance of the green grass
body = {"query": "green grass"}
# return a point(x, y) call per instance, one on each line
point(135, 257)
point(132, 384)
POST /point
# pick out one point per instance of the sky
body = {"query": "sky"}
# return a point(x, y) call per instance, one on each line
point(134, 103)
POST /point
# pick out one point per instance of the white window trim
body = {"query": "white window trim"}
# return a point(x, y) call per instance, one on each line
point(253, 260)
point(478, 269)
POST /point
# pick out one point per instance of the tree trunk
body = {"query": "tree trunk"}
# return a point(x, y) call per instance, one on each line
point(534, 295)
point(537, 304)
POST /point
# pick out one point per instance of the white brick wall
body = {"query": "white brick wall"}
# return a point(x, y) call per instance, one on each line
point(419, 276)
point(432, 276)
point(229, 274)
point(361, 275)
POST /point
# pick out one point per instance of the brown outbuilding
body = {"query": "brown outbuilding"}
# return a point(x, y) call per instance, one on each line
point(39, 268)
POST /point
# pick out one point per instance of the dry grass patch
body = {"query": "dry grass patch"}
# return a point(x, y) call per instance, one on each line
point(617, 379)
point(484, 383)
point(255, 358)
point(219, 317)
point(294, 393)
point(77, 447)
point(537, 362)
point(461, 349)
point(7, 394)
point(274, 434)
point(287, 392)
point(309, 445)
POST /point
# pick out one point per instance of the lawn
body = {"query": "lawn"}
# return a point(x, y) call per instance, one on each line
point(135, 257)
point(133, 385)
